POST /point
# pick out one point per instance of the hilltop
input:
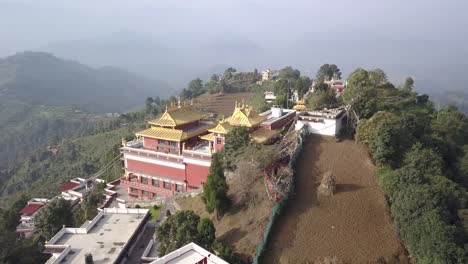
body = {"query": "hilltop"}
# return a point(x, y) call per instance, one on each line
point(39, 78)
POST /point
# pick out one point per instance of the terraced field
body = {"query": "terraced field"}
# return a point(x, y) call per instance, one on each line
point(220, 104)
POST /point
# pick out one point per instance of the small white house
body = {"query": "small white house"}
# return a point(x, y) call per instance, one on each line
point(323, 122)
point(270, 96)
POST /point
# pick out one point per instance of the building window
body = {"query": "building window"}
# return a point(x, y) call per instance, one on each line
point(219, 141)
point(167, 185)
point(144, 180)
point(145, 193)
point(173, 143)
point(162, 142)
point(155, 182)
point(179, 187)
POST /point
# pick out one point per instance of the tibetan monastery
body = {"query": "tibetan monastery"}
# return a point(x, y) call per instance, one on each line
point(261, 127)
point(167, 157)
point(174, 154)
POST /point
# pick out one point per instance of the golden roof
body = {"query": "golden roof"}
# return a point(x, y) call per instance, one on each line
point(209, 137)
point(300, 107)
point(222, 128)
point(245, 116)
point(301, 102)
point(262, 135)
point(170, 133)
point(178, 116)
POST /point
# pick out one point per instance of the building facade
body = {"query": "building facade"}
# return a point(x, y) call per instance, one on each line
point(168, 157)
point(26, 226)
point(326, 122)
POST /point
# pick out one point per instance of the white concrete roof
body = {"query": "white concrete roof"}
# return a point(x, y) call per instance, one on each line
point(189, 254)
point(104, 237)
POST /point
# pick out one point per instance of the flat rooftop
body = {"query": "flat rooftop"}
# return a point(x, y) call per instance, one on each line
point(271, 119)
point(325, 113)
point(104, 237)
point(190, 253)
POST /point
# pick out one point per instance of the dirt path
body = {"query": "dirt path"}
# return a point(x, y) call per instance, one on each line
point(353, 225)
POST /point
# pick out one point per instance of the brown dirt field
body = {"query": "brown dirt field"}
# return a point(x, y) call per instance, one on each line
point(240, 228)
point(354, 224)
point(220, 104)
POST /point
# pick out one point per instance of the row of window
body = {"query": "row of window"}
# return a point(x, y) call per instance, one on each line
point(165, 185)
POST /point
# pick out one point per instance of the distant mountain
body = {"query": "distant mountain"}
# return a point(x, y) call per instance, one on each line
point(39, 78)
point(174, 58)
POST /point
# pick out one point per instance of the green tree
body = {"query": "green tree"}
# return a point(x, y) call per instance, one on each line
point(409, 84)
point(378, 76)
point(321, 99)
point(195, 87)
point(299, 87)
point(177, 231)
point(52, 217)
point(206, 233)
point(236, 140)
point(321, 86)
point(288, 73)
point(215, 188)
point(328, 71)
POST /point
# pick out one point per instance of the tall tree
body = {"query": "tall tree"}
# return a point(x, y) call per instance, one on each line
point(178, 230)
point(288, 73)
point(321, 99)
point(206, 233)
point(377, 76)
point(299, 87)
point(195, 87)
point(409, 84)
point(52, 217)
point(215, 188)
point(328, 71)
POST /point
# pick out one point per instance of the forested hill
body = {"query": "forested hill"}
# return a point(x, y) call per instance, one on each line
point(42, 79)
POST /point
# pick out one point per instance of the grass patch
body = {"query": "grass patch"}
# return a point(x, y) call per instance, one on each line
point(154, 211)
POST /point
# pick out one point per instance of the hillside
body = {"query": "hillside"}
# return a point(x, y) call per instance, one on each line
point(42, 79)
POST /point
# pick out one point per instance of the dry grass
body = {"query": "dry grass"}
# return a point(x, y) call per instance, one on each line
point(243, 226)
point(353, 225)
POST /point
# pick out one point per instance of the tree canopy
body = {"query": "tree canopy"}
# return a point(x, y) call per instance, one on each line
point(182, 228)
point(52, 217)
point(328, 71)
point(215, 188)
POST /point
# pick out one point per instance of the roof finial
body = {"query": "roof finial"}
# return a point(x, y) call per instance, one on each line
point(166, 107)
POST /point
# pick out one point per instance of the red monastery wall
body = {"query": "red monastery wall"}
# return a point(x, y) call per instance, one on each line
point(157, 170)
point(196, 174)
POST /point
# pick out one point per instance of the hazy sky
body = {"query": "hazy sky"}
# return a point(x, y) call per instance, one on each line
point(439, 27)
point(29, 24)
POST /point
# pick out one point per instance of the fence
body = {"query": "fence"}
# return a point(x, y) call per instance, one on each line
point(279, 206)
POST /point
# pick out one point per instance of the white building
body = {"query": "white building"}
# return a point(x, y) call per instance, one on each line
point(324, 122)
point(108, 238)
point(270, 96)
point(190, 254)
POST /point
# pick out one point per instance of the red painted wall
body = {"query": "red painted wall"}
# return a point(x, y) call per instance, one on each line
point(196, 174)
point(217, 146)
point(157, 170)
point(150, 143)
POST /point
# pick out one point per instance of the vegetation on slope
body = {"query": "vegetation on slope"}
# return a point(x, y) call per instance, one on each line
point(421, 154)
point(42, 79)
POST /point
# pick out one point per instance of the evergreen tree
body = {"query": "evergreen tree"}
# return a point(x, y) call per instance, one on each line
point(215, 188)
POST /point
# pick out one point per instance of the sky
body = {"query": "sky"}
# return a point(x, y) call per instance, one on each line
point(351, 32)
